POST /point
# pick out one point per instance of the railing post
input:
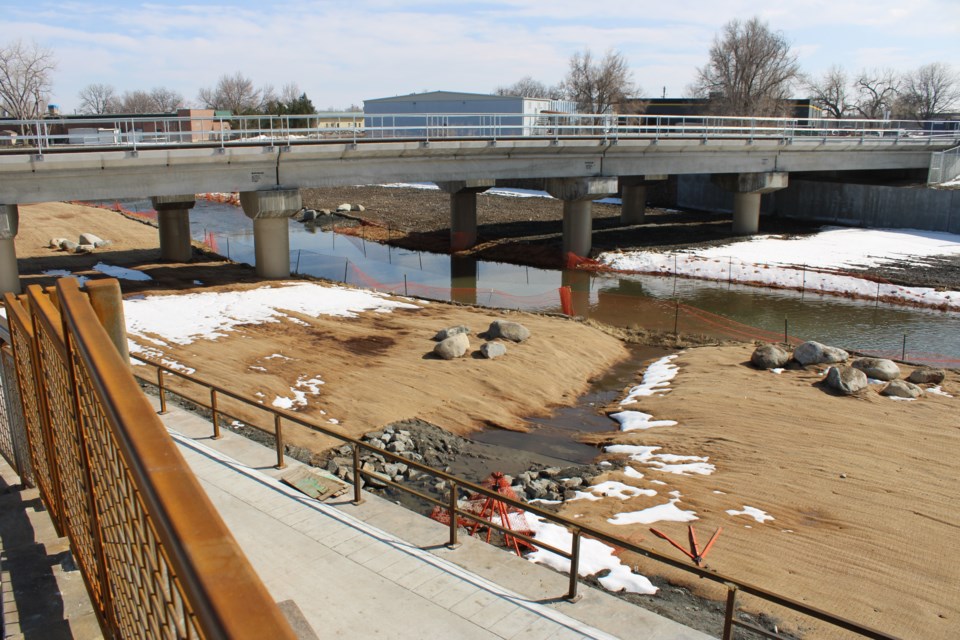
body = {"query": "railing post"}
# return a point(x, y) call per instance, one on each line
point(161, 391)
point(572, 595)
point(279, 436)
point(730, 611)
point(357, 498)
point(214, 414)
point(452, 512)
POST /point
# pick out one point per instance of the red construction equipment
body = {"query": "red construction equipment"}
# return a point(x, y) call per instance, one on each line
point(492, 510)
point(694, 554)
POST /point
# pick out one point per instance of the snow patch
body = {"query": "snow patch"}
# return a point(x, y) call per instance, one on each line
point(121, 272)
point(667, 512)
point(757, 514)
point(656, 380)
point(631, 420)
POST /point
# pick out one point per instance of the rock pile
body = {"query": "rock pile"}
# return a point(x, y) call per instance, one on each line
point(852, 379)
point(454, 342)
point(87, 243)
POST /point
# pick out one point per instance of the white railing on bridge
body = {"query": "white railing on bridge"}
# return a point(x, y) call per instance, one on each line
point(131, 132)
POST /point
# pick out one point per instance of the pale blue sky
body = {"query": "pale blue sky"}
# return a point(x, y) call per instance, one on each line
point(345, 51)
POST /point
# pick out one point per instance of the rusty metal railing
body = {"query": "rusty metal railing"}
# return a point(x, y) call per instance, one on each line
point(460, 486)
point(157, 560)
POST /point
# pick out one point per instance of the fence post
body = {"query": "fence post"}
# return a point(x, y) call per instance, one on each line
point(730, 611)
point(214, 414)
point(357, 498)
point(572, 595)
point(453, 543)
point(160, 389)
point(279, 437)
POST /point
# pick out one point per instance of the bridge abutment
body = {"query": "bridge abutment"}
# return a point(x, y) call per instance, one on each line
point(173, 222)
point(9, 271)
point(578, 195)
point(747, 189)
point(633, 196)
point(270, 211)
point(463, 210)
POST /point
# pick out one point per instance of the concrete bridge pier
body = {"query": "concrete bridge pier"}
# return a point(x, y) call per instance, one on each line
point(578, 195)
point(9, 226)
point(463, 279)
point(270, 210)
point(173, 221)
point(747, 189)
point(633, 194)
point(463, 210)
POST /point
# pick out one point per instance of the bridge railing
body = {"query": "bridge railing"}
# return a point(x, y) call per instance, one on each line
point(944, 166)
point(129, 132)
point(226, 406)
point(157, 560)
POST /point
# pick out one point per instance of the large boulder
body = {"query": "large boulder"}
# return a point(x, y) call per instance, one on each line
point(815, 353)
point(443, 334)
point(877, 368)
point(902, 389)
point(493, 350)
point(508, 331)
point(927, 375)
point(453, 347)
point(846, 380)
point(769, 356)
point(344, 208)
point(89, 238)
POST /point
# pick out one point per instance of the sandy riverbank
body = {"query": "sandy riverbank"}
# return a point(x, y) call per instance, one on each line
point(862, 490)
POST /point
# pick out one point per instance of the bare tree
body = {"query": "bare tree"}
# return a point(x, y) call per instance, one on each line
point(831, 92)
point(750, 72)
point(166, 100)
point(236, 93)
point(25, 79)
point(97, 99)
point(877, 91)
point(137, 101)
point(931, 90)
point(527, 87)
point(598, 87)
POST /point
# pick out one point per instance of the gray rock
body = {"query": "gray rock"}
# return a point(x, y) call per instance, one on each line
point(846, 380)
point(493, 350)
point(56, 242)
point(769, 356)
point(927, 375)
point(84, 248)
point(815, 353)
point(89, 238)
point(453, 347)
point(358, 207)
point(308, 215)
point(324, 212)
point(449, 332)
point(344, 208)
point(508, 331)
point(877, 368)
point(902, 389)
point(572, 483)
point(102, 243)
point(68, 246)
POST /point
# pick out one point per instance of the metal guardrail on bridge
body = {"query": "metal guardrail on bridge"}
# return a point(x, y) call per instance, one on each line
point(50, 135)
point(277, 417)
point(157, 560)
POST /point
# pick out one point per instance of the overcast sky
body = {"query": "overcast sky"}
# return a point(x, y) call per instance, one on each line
point(343, 52)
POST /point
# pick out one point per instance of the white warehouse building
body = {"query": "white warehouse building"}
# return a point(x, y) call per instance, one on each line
point(455, 114)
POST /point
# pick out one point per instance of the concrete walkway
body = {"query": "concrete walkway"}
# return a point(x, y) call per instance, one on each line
point(379, 570)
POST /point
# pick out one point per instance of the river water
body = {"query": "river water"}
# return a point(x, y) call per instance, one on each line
point(719, 309)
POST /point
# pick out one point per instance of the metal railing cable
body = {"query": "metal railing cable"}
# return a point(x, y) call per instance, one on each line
point(456, 514)
point(157, 560)
point(53, 134)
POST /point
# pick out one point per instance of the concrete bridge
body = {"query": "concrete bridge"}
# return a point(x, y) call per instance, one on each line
point(268, 159)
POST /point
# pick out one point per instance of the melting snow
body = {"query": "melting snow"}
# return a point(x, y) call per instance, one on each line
point(655, 380)
point(667, 512)
point(631, 420)
point(121, 272)
point(594, 558)
point(753, 512)
point(612, 489)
